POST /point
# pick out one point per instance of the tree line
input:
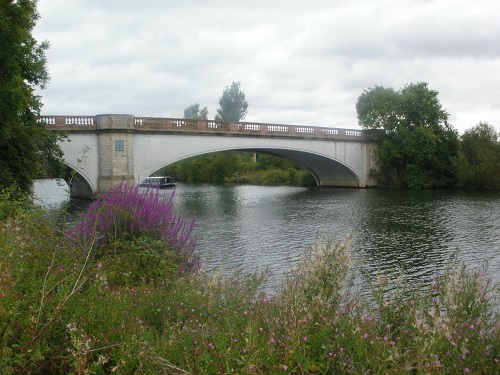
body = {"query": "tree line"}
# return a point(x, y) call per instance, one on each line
point(417, 147)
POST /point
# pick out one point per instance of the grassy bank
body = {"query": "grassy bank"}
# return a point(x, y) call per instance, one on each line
point(123, 294)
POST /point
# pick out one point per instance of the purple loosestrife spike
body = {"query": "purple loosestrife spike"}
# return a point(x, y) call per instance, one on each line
point(125, 211)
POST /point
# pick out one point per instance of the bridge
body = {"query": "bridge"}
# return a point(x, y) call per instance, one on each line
point(107, 149)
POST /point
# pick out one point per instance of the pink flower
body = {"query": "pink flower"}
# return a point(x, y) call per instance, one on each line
point(271, 339)
point(365, 335)
point(99, 265)
point(304, 338)
point(285, 367)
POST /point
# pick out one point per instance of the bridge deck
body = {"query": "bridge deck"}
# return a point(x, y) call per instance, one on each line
point(157, 124)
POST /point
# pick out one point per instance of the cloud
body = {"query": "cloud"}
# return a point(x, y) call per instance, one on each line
point(299, 62)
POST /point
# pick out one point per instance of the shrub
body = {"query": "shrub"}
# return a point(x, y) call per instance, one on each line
point(125, 214)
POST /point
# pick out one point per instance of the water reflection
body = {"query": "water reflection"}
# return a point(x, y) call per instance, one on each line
point(253, 228)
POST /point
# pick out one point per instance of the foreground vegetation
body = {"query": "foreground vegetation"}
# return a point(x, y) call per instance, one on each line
point(123, 294)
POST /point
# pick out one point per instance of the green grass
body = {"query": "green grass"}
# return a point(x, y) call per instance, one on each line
point(64, 312)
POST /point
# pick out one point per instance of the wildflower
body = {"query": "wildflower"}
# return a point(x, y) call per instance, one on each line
point(285, 367)
point(271, 339)
point(467, 369)
point(365, 335)
point(304, 338)
point(99, 265)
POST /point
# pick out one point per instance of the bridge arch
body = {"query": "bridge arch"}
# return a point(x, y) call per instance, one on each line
point(324, 169)
point(79, 184)
point(341, 164)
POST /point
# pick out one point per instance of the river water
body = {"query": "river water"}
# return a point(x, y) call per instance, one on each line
point(257, 228)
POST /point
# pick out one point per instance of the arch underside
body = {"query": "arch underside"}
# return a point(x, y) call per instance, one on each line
point(79, 186)
point(326, 171)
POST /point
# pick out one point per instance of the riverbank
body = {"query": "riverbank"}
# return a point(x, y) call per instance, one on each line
point(65, 312)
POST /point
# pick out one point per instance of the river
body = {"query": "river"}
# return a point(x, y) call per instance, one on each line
point(256, 228)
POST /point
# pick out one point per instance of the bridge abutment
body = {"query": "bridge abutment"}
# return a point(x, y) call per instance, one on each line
point(115, 143)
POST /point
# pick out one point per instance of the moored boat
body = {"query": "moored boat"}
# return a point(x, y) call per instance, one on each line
point(160, 182)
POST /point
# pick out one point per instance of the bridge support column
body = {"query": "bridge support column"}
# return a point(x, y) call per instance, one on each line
point(115, 145)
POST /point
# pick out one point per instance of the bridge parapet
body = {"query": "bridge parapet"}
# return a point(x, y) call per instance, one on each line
point(160, 124)
point(68, 120)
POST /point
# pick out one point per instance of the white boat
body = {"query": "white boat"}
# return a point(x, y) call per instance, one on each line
point(159, 182)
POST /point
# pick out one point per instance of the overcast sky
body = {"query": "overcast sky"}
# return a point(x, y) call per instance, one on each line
point(298, 61)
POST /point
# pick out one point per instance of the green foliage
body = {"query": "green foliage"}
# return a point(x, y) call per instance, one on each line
point(12, 202)
point(194, 112)
point(419, 145)
point(478, 160)
point(233, 106)
point(27, 150)
point(240, 167)
point(140, 260)
point(60, 313)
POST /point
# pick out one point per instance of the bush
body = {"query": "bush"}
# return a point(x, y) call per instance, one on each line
point(125, 216)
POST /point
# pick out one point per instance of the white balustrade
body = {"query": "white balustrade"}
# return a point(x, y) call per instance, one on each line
point(277, 128)
point(248, 126)
point(79, 120)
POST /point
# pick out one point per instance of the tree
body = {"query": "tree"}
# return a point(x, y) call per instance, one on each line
point(232, 104)
point(418, 146)
point(478, 160)
point(194, 112)
point(27, 150)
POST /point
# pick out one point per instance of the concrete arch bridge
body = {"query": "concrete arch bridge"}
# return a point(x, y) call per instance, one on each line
point(105, 150)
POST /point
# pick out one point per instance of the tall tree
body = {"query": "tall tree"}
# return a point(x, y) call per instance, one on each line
point(478, 160)
point(232, 104)
point(27, 150)
point(194, 112)
point(419, 146)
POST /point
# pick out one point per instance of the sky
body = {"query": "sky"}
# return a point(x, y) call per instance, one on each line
point(300, 62)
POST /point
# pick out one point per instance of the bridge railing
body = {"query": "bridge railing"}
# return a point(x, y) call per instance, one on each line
point(214, 126)
point(242, 128)
point(67, 120)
